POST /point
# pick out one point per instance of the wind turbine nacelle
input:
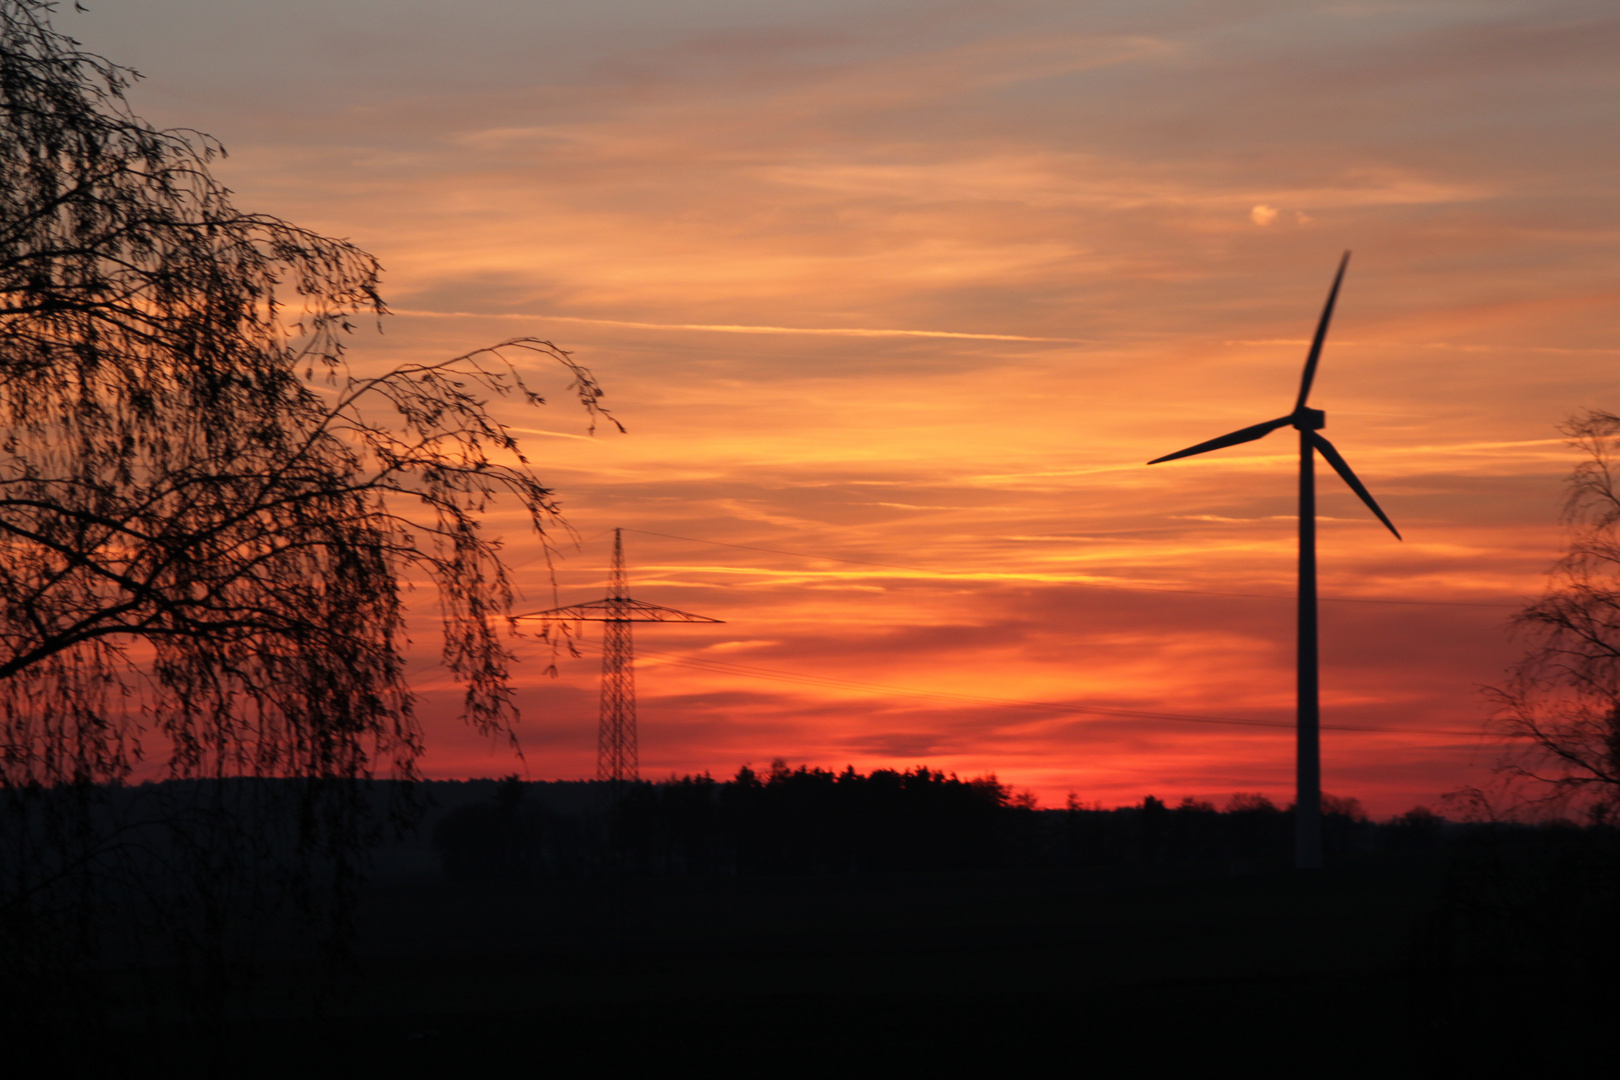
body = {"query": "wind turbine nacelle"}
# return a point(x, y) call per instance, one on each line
point(1310, 419)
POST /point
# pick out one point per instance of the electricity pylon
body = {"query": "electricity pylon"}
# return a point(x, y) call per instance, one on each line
point(617, 759)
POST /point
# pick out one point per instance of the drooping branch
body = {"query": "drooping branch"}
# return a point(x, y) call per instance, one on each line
point(196, 537)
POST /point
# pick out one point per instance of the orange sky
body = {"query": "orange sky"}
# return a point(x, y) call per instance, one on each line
point(924, 284)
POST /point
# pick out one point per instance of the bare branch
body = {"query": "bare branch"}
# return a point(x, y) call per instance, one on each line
point(1560, 709)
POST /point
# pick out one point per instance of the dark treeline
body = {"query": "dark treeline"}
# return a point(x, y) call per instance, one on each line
point(783, 821)
point(155, 842)
point(814, 821)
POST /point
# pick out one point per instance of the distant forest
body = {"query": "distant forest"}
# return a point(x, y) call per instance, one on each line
point(814, 821)
point(157, 841)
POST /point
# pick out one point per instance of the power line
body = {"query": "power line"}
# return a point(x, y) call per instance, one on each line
point(1087, 584)
point(729, 668)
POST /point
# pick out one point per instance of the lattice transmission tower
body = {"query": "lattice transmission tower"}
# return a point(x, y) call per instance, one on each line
point(617, 758)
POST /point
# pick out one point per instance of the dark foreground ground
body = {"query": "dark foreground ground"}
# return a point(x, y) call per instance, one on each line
point(1193, 968)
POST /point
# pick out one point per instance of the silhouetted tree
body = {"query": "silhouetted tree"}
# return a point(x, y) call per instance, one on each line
point(1533, 914)
point(205, 515)
point(1419, 827)
point(1561, 705)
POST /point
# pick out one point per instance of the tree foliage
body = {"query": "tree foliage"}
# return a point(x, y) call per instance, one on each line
point(205, 516)
point(1560, 707)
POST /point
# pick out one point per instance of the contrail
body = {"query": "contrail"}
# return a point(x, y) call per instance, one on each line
point(728, 328)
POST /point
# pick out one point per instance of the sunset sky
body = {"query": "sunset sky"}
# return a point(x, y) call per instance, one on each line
point(919, 287)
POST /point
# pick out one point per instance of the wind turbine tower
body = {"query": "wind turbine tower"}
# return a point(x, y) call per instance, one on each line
point(1309, 422)
point(617, 757)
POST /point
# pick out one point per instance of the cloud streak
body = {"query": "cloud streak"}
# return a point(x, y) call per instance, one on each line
point(725, 329)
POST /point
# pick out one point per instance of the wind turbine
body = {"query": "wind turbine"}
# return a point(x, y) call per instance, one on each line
point(1309, 422)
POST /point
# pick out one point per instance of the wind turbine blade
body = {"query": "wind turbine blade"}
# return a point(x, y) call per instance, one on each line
point(1321, 335)
point(1248, 434)
point(1342, 467)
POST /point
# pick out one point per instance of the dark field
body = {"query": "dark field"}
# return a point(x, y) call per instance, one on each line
point(773, 929)
point(1133, 967)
